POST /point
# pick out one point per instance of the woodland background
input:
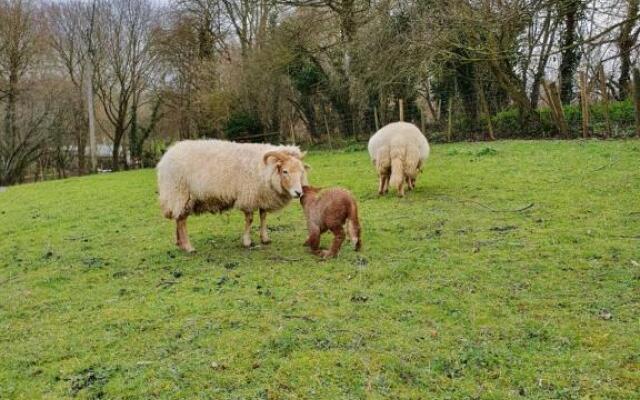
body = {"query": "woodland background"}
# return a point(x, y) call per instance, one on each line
point(108, 84)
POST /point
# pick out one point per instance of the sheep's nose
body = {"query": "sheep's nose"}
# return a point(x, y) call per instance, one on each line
point(298, 193)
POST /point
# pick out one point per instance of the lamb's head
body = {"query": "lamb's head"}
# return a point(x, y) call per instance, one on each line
point(290, 173)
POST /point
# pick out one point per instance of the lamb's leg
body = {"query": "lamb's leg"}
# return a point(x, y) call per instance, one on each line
point(381, 185)
point(338, 238)
point(264, 232)
point(246, 236)
point(314, 240)
point(182, 237)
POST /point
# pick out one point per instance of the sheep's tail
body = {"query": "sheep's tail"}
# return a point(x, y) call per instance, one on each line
point(353, 226)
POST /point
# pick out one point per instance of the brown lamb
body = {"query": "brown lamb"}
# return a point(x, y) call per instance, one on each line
point(328, 210)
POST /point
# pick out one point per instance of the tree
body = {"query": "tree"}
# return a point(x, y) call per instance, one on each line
point(626, 41)
point(570, 11)
point(21, 45)
point(122, 64)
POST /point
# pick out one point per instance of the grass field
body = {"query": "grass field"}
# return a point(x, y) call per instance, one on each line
point(456, 295)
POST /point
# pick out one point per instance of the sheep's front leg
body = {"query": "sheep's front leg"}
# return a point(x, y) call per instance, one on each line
point(381, 185)
point(264, 232)
point(182, 237)
point(411, 183)
point(246, 236)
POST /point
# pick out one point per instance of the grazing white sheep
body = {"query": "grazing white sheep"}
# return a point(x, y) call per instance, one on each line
point(398, 151)
point(197, 176)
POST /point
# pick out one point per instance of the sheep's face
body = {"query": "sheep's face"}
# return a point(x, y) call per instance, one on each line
point(290, 171)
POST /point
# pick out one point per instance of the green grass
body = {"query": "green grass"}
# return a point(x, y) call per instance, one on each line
point(448, 300)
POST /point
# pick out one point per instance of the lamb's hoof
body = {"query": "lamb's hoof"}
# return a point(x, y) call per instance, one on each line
point(265, 241)
point(187, 249)
point(325, 255)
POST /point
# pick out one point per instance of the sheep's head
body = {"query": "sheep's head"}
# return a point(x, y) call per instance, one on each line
point(290, 170)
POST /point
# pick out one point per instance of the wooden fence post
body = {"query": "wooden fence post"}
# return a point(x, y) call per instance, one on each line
point(449, 124)
point(375, 118)
point(636, 98)
point(605, 100)
point(401, 109)
point(485, 110)
point(326, 126)
point(584, 103)
point(553, 99)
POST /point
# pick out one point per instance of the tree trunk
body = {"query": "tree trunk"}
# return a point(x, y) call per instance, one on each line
point(90, 111)
point(115, 152)
point(626, 41)
point(82, 159)
point(636, 98)
point(310, 114)
point(135, 148)
point(570, 52)
point(10, 113)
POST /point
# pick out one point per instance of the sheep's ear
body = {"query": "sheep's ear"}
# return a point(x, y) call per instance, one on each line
point(307, 167)
point(303, 155)
point(277, 155)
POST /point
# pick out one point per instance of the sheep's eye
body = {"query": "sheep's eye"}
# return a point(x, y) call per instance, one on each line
point(285, 172)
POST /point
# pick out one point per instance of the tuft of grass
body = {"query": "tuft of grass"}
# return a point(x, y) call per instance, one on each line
point(463, 290)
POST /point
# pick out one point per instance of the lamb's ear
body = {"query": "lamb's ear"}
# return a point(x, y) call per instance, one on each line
point(277, 155)
point(303, 155)
point(307, 167)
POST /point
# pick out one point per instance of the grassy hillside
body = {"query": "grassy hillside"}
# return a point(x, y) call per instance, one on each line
point(455, 296)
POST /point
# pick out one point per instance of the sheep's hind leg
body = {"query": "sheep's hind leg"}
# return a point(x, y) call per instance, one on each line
point(384, 183)
point(248, 221)
point(264, 232)
point(381, 185)
point(338, 238)
point(182, 237)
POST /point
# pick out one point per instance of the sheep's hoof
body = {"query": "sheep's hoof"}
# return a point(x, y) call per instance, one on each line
point(265, 241)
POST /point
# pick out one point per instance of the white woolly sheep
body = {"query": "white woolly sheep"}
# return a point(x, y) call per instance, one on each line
point(198, 176)
point(398, 151)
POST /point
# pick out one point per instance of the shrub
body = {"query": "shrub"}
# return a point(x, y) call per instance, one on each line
point(242, 124)
point(152, 152)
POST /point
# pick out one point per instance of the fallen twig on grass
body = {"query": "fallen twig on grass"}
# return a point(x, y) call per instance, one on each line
point(287, 259)
point(9, 279)
point(302, 317)
point(609, 164)
point(528, 206)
